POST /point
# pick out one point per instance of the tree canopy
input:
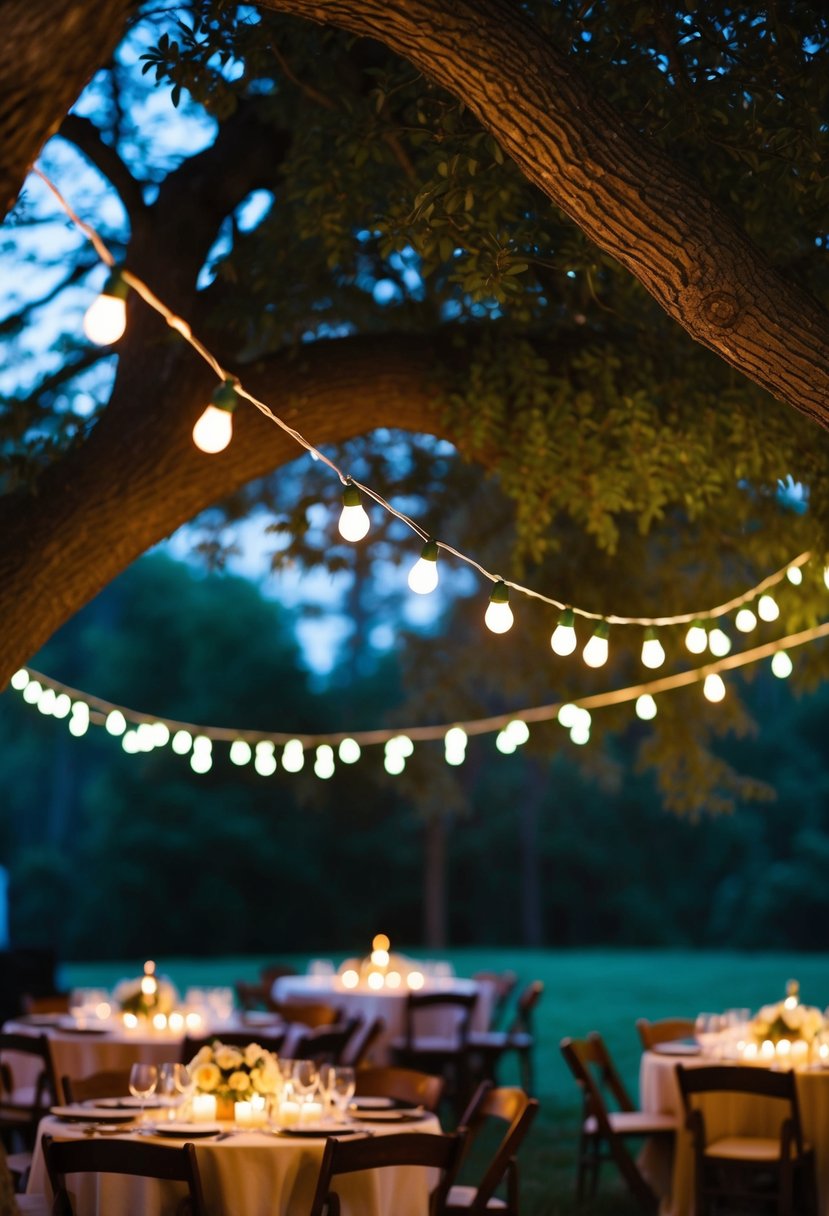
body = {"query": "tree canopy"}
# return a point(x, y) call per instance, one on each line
point(585, 243)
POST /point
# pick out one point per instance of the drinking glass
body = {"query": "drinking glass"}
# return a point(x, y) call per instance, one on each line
point(340, 1084)
point(707, 1027)
point(176, 1084)
point(304, 1079)
point(143, 1080)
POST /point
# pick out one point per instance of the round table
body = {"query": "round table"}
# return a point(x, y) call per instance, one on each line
point(388, 1004)
point(255, 1172)
point(659, 1094)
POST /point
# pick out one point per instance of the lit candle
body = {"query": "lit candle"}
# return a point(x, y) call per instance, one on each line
point(204, 1108)
point(289, 1113)
point(749, 1051)
point(243, 1113)
point(767, 1050)
point(160, 1021)
point(252, 1113)
point(350, 978)
point(193, 1021)
point(415, 980)
point(130, 1021)
point(784, 1051)
point(375, 981)
point(311, 1111)
point(800, 1052)
point(176, 1021)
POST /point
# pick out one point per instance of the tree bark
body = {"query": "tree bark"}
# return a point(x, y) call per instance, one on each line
point(435, 919)
point(51, 48)
point(621, 189)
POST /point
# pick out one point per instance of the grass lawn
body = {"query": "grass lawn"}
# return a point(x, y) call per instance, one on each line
point(584, 990)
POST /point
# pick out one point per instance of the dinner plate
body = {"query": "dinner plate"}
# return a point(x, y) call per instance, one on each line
point(127, 1102)
point(83, 1113)
point(369, 1102)
point(404, 1115)
point(70, 1025)
point(676, 1047)
point(186, 1131)
point(318, 1130)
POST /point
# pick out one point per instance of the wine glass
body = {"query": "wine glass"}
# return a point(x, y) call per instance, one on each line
point(707, 1027)
point(143, 1080)
point(304, 1079)
point(175, 1083)
point(340, 1084)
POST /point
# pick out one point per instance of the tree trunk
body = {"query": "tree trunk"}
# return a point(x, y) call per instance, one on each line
point(621, 189)
point(532, 919)
point(435, 920)
point(51, 49)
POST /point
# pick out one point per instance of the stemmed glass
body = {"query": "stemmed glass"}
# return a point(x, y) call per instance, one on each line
point(143, 1080)
point(707, 1027)
point(175, 1083)
point(339, 1083)
point(304, 1079)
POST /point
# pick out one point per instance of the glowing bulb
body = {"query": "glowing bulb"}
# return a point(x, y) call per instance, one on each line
point(293, 756)
point(32, 691)
point(568, 715)
point(645, 707)
point(795, 575)
point(696, 638)
point(505, 744)
point(264, 760)
point(580, 734)
point(146, 736)
point(115, 723)
point(20, 679)
point(214, 429)
point(130, 742)
point(393, 979)
point(745, 620)
point(564, 638)
point(375, 981)
point(394, 763)
point(240, 752)
point(767, 608)
point(401, 744)
point(423, 576)
point(63, 704)
point(719, 642)
point(324, 762)
point(781, 665)
point(518, 731)
point(350, 979)
point(595, 652)
point(106, 317)
point(349, 751)
point(354, 520)
point(380, 941)
point(182, 742)
point(499, 616)
point(713, 688)
point(161, 734)
point(46, 701)
point(201, 762)
point(653, 652)
point(415, 980)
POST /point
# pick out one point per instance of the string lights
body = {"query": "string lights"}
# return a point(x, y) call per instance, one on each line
point(213, 432)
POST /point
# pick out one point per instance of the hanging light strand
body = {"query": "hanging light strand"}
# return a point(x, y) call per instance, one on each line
point(182, 327)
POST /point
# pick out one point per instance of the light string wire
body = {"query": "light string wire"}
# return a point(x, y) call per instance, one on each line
point(182, 327)
point(101, 708)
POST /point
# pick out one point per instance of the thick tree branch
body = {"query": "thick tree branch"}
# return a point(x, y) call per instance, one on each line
point(622, 190)
point(87, 139)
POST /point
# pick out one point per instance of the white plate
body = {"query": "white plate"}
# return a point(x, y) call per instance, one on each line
point(127, 1102)
point(318, 1130)
point(372, 1103)
point(187, 1131)
point(676, 1047)
point(83, 1113)
point(407, 1115)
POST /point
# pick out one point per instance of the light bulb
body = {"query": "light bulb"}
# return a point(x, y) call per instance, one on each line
point(568, 715)
point(182, 742)
point(580, 734)
point(293, 756)
point(349, 751)
point(518, 731)
point(214, 429)
point(130, 742)
point(781, 665)
point(324, 762)
point(240, 752)
point(719, 642)
point(795, 575)
point(423, 576)
point(645, 707)
point(653, 652)
point(745, 620)
point(115, 723)
point(696, 639)
point(499, 616)
point(264, 761)
point(713, 688)
point(354, 520)
point(767, 608)
point(826, 576)
point(595, 652)
point(394, 763)
point(564, 638)
point(20, 679)
point(505, 743)
point(106, 317)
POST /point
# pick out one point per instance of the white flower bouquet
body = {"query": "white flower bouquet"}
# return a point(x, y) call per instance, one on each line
point(235, 1073)
point(786, 1020)
point(145, 995)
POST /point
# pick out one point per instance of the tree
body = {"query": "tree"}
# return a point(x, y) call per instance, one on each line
point(576, 390)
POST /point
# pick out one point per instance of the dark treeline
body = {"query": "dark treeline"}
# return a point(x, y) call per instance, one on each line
point(112, 855)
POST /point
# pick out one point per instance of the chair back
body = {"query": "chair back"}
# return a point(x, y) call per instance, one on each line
point(65, 1157)
point(511, 1106)
point(325, 1044)
point(110, 1083)
point(311, 1014)
point(55, 1002)
point(461, 1003)
point(596, 1075)
point(664, 1031)
point(359, 1046)
point(45, 1090)
point(502, 985)
point(525, 1007)
point(733, 1079)
point(437, 1152)
point(237, 1038)
point(404, 1084)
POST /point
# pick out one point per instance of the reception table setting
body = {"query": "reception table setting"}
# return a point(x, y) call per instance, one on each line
point(783, 1036)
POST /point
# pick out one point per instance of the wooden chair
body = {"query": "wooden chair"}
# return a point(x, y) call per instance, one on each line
point(487, 1048)
point(56, 1002)
point(513, 1107)
point(604, 1130)
point(65, 1157)
point(325, 1044)
point(109, 1083)
point(752, 1173)
point(360, 1045)
point(444, 1055)
point(404, 1084)
point(311, 1014)
point(436, 1152)
point(21, 1108)
point(664, 1031)
point(502, 984)
point(236, 1038)
point(251, 996)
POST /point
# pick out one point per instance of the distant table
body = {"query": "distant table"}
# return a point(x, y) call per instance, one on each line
point(388, 1004)
point(659, 1094)
point(253, 1172)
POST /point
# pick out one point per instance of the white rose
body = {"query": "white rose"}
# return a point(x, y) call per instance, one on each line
point(228, 1057)
point(203, 1056)
point(253, 1053)
point(206, 1077)
point(239, 1081)
point(265, 1079)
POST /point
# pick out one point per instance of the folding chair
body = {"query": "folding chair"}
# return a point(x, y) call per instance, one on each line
point(507, 1105)
point(664, 1031)
point(109, 1083)
point(604, 1132)
point(487, 1048)
point(65, 1157)
point(22, 1107)
point(404, 1084)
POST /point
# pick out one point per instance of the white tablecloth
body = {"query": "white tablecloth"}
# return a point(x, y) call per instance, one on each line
point(390, 1005)
point(735, 1115)
point(252, 1173)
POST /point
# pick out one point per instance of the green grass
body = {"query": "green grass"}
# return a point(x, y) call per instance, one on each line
point(584, 990)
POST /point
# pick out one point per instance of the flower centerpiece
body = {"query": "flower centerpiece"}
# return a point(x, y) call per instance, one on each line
point(381, 969)
point(146, 995)
point(788, 1019)
point(234, 1074)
